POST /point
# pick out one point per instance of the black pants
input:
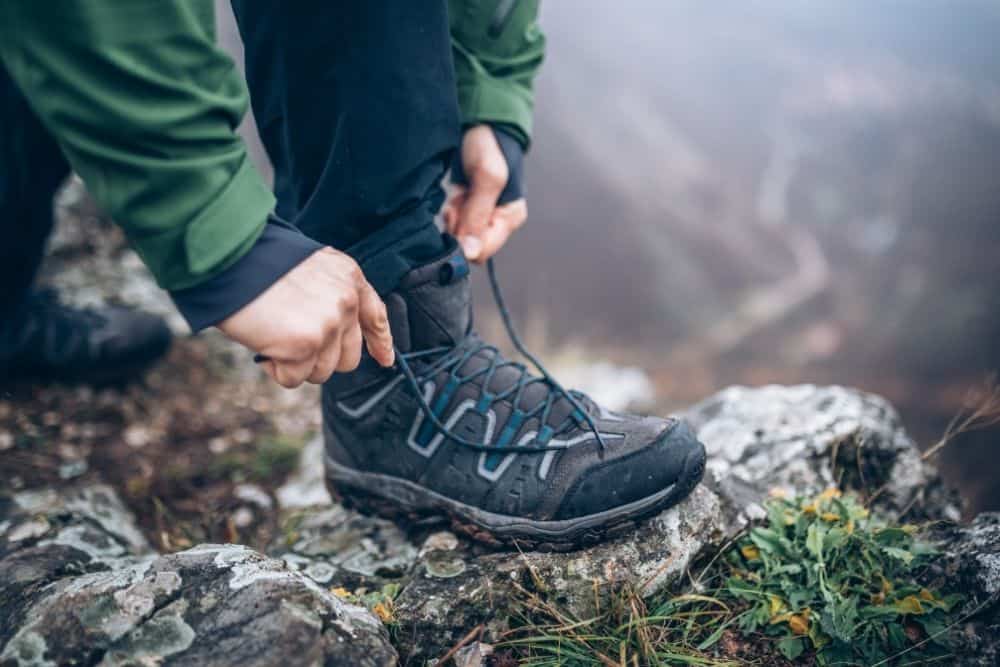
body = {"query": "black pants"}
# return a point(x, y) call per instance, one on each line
point(356, 106)
point(31, 169)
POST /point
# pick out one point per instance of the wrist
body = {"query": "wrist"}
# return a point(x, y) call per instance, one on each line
point(513, 154)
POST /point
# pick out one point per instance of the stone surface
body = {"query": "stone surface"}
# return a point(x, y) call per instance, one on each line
point(970, 562)
point(79, 585)
point(799, 439)
point(78, 581)
point(807, 438)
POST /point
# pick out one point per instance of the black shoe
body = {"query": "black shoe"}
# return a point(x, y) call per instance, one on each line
point(455, 429)
point(50, 341)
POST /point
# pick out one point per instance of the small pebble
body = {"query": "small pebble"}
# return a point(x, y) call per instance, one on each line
point(72, 469)
point(253, 494)
point(242, 517)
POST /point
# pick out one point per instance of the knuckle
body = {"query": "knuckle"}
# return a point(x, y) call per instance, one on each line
point(347, 303)
point(306, 343)
point(354, 271)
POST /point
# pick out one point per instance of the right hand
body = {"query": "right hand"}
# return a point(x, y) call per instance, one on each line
point(310, 323)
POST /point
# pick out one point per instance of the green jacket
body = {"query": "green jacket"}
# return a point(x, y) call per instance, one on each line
point(145, 106)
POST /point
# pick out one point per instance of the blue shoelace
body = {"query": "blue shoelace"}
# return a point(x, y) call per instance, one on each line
point(455, 358)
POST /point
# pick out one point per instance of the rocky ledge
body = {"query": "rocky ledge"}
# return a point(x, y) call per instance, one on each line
point(79, 585)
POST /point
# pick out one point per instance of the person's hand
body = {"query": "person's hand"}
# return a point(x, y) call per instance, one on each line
point(472, 214)
point(311, 322)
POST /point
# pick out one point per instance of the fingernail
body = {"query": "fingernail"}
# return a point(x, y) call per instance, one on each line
point(471, 246)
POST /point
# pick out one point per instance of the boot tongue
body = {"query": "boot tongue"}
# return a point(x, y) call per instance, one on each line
point(432, 307)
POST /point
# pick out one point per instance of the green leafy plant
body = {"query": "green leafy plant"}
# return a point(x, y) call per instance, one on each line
point(820, 581)
point(824, 575)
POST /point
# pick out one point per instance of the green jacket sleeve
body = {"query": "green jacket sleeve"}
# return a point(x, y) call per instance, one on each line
point(498, 49)
point(145, 107)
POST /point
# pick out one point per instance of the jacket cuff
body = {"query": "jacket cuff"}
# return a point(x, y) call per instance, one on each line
point(279, 249)
point(513, 153)
point(498, 102)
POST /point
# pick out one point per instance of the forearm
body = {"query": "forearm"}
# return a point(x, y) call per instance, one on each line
point(145, 106)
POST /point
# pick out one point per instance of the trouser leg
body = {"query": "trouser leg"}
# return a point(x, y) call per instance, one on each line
point(357, 108)
point(31, 169)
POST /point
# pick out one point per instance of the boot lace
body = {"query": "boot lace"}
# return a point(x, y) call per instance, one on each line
point(453, 359)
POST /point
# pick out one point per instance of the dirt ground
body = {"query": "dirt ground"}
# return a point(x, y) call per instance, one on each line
point(196, 446)
point(196, 455)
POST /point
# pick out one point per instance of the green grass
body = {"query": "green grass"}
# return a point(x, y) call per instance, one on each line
point(821, 581)
point(269, 459)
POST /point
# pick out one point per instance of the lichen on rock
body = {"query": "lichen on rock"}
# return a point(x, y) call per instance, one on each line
point(79, 583)
point(84, 591)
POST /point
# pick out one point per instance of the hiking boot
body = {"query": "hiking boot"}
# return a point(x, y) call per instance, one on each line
point(51, 341)
point(455, 429)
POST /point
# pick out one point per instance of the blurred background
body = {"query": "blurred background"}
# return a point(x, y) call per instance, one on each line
point(757, 192)
point(724, 193)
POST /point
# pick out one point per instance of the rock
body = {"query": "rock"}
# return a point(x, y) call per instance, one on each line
point(800, 439)
point(473, 655)
point(806, 438)
point(970, 562)
point(79, 585)
point(305, 487)
point(335, 546)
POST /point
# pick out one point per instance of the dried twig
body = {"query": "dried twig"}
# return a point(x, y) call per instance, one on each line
point(982, 410)
point(473, 633)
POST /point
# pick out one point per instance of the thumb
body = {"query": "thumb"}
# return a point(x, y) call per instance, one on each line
point(474, 216)
point(375, 324)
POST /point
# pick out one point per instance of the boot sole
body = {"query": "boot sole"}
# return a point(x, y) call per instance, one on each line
point(404, 501)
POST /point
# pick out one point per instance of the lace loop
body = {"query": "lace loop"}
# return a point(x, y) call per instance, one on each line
point(448, 359)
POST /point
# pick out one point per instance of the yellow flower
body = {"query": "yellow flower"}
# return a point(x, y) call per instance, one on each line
point(383, 611)
point(341, 592)
point(777, 492)
point(799, 623)
point(750, 552)
point(829, 494)
point(909, 605)
point(830, 516)
point(926, 595)
point(809, 508)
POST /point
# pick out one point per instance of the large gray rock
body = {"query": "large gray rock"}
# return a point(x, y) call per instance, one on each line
point(807, 438)
point(970, 562)
point(79, 585)
point(798, 439)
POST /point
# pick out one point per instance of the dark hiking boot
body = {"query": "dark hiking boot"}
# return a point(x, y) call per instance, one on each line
point(455, 429)
point(50, 341)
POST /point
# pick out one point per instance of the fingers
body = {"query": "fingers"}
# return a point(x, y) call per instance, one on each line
point(474, 216)
point(504, 222)
point(291, 374)
point(350, 351)
point(453, 208)
point(312, 321)
point(329, 360)
point(374, 325)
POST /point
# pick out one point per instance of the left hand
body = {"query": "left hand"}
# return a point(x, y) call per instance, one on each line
point(472, 214)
